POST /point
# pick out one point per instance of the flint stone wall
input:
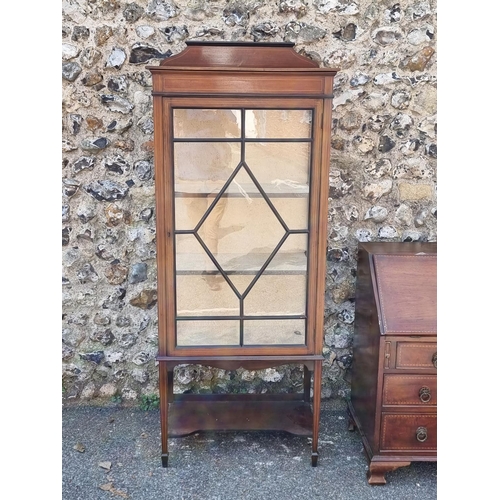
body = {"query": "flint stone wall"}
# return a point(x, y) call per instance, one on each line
point(382, 170)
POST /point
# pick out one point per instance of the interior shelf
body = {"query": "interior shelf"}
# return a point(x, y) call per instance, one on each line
point(239, 414)
point(282, 263)
point(285, 189)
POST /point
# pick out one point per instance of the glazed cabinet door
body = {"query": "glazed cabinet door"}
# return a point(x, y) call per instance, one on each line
point(241, 183)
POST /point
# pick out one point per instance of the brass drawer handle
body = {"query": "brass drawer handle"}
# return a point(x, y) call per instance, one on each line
point(424, 394)
point(435, 359)
point(422, 434)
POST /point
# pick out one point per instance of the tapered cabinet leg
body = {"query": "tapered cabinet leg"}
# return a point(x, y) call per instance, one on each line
point(307, 384)
point(351, 422)
point(165, 381)
point(318, 365)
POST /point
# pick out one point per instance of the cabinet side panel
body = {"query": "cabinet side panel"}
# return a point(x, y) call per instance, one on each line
point(161, 215)
point(321, 248)
point(365, 364)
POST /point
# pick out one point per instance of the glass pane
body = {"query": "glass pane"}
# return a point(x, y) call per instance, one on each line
point(274, 331)
point(294, 211)
point(277, 295)
point(207, 294)
point(241, 280)
point(190, 256)
point(203, 167)
point(280, 167)
point(190, 209)
point(282, 288)
point(291, 257)
point(274, 123)
point(241, 230)
point(212, 332)
point(210, 123)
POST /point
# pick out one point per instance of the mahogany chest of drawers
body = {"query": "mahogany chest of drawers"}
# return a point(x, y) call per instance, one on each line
point(394, 370)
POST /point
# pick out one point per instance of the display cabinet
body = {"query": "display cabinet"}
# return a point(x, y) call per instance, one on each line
point(394, 368)
point(241, 146)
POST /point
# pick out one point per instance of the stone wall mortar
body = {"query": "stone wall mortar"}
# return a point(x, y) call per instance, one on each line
point(383, 169)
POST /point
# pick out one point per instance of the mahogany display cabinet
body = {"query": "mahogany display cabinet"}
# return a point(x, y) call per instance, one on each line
point(242, 152)
point(394, 368)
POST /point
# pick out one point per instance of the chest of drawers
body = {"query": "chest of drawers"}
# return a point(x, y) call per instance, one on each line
point(394, 370)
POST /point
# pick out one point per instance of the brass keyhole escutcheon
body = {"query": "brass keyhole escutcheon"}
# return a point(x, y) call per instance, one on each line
point(435, 359)
point(421, 434)
point(424, 394)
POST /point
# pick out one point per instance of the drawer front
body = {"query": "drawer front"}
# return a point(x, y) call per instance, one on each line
point(410, 390)
point(416, 355)
point(408, 432)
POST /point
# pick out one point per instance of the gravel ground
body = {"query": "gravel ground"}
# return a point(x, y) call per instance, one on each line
point(120, 458)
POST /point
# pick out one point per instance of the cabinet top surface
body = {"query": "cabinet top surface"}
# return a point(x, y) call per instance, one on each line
point(240, 56)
